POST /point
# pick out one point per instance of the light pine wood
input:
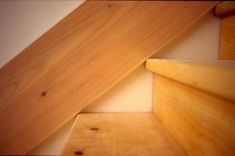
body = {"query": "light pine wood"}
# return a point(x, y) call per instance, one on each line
point(81, 58)
point(201, 123)
point(217, 77)
point(225, 9)
point(227, 39)
point(127, 134)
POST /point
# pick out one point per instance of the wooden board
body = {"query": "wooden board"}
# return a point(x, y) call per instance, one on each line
point(127, 134)
point(227, 39)
point(217, 77)
point(201, 123)
point(81, 58)
point(225, 9)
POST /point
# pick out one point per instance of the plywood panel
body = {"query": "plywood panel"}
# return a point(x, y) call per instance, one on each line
point(79, 59)
point(213, 76)
point(201, 123)
point(227, 39)
point(128, 134)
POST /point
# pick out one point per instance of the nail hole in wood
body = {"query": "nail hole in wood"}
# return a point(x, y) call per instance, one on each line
point(44, 93)
point(109, 6)
point(78, 153)
point(94, 129)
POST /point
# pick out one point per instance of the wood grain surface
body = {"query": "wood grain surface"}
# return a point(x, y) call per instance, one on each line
point(213, 76)
point(201, 123)
point(81, 58)
point(114, 134)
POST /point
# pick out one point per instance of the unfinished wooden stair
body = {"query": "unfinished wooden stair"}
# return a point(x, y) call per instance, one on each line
point(80, 59)
point(194, 100)
point(193, 114)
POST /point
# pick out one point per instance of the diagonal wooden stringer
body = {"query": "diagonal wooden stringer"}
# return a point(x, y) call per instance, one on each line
point(79, 59)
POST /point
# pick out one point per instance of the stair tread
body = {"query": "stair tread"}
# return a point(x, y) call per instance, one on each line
point(214, 76)
point(120, 134)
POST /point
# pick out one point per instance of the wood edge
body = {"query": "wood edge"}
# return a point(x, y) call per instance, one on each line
point(223, 66)
point(220, 64)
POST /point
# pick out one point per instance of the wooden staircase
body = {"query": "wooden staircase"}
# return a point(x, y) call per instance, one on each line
point(193, 101)
point(200, 118)
point(193, 109)
point(193, 114)
point(81, 58)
